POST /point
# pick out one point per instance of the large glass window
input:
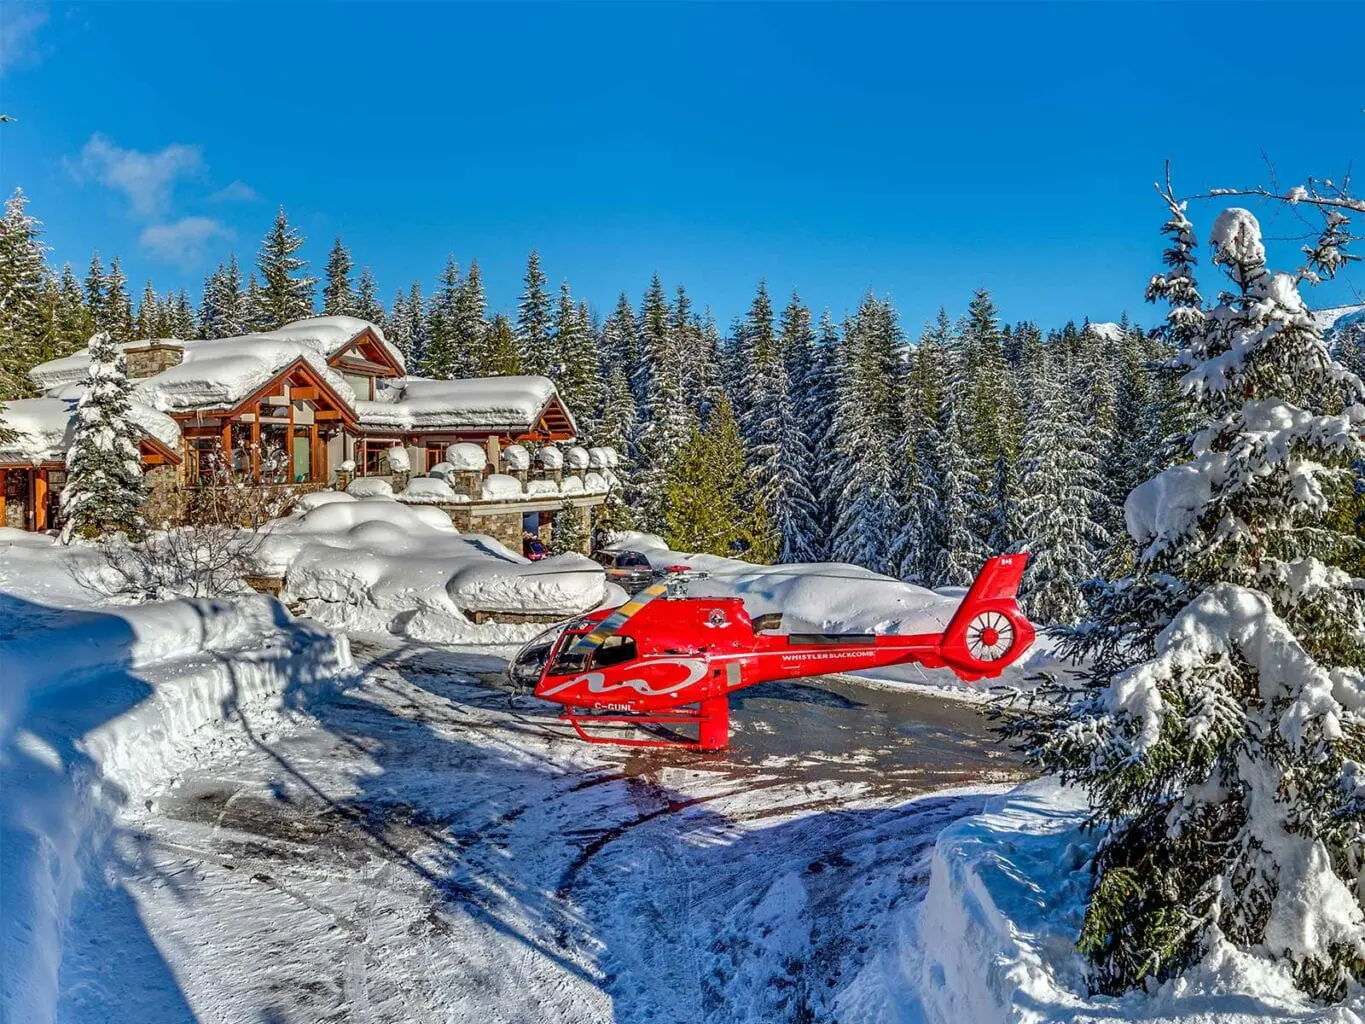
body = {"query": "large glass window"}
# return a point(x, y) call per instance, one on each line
point(361, 384)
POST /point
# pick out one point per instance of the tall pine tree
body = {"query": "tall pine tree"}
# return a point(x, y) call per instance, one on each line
point(285, 292)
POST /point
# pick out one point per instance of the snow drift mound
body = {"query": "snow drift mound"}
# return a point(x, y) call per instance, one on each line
point(377, 564)
point(99, 706)
point(994, 940)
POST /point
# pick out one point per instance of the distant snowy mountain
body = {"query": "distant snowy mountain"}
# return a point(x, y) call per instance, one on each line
point(1105, 331)
point(1336, 319)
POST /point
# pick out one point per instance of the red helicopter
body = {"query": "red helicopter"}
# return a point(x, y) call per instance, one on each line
point(664, 659)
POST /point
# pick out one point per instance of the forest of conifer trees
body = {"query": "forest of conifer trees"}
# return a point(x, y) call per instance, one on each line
point(914, 453)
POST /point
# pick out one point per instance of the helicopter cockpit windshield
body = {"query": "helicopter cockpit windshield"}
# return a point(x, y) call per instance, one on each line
point(529, 664)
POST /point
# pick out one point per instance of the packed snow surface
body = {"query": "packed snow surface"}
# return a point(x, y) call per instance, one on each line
point(99, 705)
point(378, 564)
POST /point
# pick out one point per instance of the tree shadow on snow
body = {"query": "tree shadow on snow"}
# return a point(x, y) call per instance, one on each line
point(552, 874)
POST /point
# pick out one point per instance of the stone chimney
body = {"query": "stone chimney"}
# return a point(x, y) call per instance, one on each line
point(148, 358)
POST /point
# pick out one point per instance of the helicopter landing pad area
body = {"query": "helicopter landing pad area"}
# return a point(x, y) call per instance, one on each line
point(426, 846)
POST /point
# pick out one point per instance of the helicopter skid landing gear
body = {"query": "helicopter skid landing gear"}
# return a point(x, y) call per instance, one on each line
point(712, 719)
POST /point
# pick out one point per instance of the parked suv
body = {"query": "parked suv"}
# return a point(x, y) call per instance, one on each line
point(629, 569)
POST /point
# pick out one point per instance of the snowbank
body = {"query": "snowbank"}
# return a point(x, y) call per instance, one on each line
point(380, 565)
point(994, 939)
point(99, 706)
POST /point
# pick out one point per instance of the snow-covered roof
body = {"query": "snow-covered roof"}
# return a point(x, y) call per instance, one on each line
point(225, 372)
point(47, 425)
point(321, 336)
point(328, 335)
point(512, 403)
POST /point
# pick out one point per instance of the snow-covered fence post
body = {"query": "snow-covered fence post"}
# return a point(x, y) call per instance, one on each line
point(467, 463)
point(399, 465)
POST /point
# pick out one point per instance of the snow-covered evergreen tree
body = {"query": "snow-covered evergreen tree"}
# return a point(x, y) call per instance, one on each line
point(180, 316)
point(1059, 482)
point(104, 487)
point(575, 350)
point(533, 320)
point(618, 423)
point(442, 358)
point(955, 530)
point(867, 426)
point(74, 321)
point(778, 453)
point(502, 356)
point(22, 269)
point(670, 420)
point(285, 292)
point(914, 548)
point(233, 309)
point(620, 345)
point(652, 332)
point(367, 304)
point(147, 323)
point(1220, 731)
point(338, 298)
point(117, 307)
point(95, 289)
point(471, 323)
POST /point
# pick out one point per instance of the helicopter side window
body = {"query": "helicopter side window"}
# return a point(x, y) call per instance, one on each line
point(568, 661)
point(615, 650)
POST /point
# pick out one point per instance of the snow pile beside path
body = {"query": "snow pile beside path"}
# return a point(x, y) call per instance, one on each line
point(99, 707)
point(995, 937)
point(381, 565)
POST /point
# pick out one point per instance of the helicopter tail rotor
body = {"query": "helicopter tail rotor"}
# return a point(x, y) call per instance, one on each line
point(988, 626)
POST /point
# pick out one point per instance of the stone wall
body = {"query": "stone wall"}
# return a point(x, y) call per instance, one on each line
point(149, 360)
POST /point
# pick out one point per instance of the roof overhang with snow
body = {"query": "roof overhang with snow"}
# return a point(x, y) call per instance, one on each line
point(523, 407)
point(47, 427)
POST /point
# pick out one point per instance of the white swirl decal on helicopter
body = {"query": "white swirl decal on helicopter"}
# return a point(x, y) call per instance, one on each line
point(596, 682)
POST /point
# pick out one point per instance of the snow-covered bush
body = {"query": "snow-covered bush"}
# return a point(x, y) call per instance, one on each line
point(104, 487)
point(1221, 732)
point(369, 487)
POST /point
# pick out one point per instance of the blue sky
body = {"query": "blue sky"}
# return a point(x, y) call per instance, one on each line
point(919, 151)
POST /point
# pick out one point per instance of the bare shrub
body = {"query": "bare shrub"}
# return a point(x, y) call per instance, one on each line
point(207, 545)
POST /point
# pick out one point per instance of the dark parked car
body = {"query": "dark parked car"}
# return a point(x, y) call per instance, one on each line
point(630, 569)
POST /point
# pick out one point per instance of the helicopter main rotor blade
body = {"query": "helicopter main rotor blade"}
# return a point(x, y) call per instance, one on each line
point(584, 645)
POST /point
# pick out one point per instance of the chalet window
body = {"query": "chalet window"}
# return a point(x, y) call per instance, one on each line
point(361, 384)
point(373, 461)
